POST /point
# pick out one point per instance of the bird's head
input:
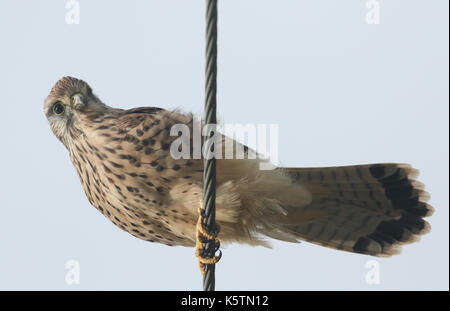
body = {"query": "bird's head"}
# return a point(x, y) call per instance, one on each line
point(69, 105)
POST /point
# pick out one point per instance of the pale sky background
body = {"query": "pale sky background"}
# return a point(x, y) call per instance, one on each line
point(342, 91)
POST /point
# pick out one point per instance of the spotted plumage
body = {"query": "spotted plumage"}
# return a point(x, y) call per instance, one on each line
point(124, 163)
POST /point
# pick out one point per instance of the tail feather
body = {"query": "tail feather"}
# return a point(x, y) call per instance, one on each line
point(368, 209)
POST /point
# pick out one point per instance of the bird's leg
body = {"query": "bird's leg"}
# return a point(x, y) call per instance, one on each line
point(202, 237)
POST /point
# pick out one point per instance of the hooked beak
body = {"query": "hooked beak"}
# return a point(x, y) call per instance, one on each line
point(78, 102)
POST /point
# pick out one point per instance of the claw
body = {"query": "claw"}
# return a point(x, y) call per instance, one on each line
point(202, 237)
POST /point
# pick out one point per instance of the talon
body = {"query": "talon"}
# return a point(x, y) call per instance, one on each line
point(202, 235)
point(216, 233)
point(218, 247)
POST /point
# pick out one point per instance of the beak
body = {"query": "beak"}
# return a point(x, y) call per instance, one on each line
point(78, 102)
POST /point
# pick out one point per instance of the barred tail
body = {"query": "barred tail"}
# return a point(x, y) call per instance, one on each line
point(367, 209)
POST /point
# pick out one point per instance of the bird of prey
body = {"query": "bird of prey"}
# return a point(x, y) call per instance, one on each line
point(125, 166)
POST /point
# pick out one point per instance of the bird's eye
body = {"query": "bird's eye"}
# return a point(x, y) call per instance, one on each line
point(58, 108)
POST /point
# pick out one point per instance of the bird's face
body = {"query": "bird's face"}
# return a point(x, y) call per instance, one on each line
point(68, 105)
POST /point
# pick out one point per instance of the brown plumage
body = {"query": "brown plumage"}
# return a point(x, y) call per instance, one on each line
point(124, 163)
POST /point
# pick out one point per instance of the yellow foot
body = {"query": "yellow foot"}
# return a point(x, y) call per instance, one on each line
point(202, 237)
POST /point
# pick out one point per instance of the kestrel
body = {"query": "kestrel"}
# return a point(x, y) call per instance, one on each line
point(124, 163)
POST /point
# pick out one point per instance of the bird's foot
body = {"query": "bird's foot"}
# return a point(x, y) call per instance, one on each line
point(203, 237)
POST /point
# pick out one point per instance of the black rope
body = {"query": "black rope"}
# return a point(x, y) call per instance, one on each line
point(209, 172)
